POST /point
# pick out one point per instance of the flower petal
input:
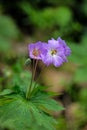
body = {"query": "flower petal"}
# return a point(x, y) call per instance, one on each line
point(57, 61)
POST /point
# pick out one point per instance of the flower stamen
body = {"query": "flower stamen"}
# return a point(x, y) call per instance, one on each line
point(36, 52)
point(53, 52)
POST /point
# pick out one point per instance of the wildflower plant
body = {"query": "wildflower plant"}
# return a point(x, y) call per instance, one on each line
point(30, 108)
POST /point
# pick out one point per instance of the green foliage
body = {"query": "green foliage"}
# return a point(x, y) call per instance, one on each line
point(46, 17)
point(4, 44)
point(79, 57)
point(42, 101)
point(62, 124)
point(8, 32)
point(83, 97)
point(50, 21)
point(63, 20)
point(18, 113)
point(8, 28)
point(81, 74)
point(84, 7)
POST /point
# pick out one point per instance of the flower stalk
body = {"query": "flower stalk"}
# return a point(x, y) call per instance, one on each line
point(30, 89)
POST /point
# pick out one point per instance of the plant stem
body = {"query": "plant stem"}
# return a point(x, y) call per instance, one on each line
point(39, 76)
point(28, 93)
point(29, 87)
point(38, 79)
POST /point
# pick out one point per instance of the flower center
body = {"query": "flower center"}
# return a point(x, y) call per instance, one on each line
point(36, 52)
point(53, 52)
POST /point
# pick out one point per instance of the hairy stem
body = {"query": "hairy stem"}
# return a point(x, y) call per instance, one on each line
point(36, 82)
point(28, 93)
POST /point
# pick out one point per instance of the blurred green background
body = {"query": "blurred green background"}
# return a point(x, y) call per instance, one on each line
point(27, 21)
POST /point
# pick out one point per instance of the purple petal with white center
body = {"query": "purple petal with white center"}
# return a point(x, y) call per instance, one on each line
point(57, 61)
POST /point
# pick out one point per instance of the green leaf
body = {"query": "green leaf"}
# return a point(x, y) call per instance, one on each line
point(45, 103)
point(6, 92)
point(42, 119)
point(18, 113)
point(15, 113)
point(28, 61)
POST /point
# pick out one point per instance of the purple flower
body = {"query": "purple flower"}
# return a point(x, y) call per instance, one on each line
point(67, 50)
point(36, 51)
point(54, 53)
